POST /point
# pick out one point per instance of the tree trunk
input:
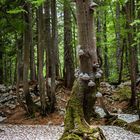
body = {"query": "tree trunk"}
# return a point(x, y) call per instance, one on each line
point(80, 105)
point(53, 55)
point(27, 41)
point(48, 45)
point(132, 49)
point(32, 61)
point(1, 61)
point(106, 63)
point(68, 52)
point(19, 74)
point(118, 43)
point(40, 59)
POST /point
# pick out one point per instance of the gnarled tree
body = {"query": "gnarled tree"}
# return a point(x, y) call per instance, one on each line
point(83, 96)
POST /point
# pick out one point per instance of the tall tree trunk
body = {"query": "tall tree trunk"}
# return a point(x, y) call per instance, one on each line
point(106, 61)
point(40, 59)
point(26, 43)
point(32, 61)
point(68, 51)
point(1, 60)
point(53, 54)
point(19, 72)
point(82, 98)
point(132, 49)
point(118, 42)
point(48, 45)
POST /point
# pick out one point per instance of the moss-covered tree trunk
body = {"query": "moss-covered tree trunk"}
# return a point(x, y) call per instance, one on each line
point(82, 100)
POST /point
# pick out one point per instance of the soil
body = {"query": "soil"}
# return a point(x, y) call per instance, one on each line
point(19, 116)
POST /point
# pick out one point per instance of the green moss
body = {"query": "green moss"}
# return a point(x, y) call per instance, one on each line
point(119, 122)
point(123, 93)
point(134, 128)
point(71, 137)
point(75, 124)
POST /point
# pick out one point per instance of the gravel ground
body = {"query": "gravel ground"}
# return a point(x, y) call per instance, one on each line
point(30, 132)
point(117, 133)
point(50, 132)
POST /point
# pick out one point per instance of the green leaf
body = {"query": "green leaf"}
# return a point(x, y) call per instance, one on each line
point(36, 2)
point(16, 11)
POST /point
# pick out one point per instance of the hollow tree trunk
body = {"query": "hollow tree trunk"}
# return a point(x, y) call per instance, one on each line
point(80, 105)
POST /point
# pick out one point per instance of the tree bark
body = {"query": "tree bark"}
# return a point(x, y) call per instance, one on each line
point(68, 52)
point(132, 50)
point(1, 60)
point(106, 61)
point(80, 105)
point(32, 61)
point(26, 43)
point(53, 55)
point(40, 59)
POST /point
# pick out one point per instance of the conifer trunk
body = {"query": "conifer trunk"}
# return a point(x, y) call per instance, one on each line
point(80, 105)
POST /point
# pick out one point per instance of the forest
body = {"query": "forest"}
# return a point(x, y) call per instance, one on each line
point(70, 69)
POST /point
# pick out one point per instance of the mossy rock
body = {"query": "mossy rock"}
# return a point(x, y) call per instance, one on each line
point(71, 137)
point(134, 128)
point(119, 122)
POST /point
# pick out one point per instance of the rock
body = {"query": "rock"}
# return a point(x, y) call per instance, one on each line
point(62, 124)
point(2, 88)
point(2, 114)
point(2, 118)
point(128, 83)
point(128, 117)
point(100, 111)
point(114, 110)
point(50, 123)
point(119, 111)
point(61, 113)
point(12, 106)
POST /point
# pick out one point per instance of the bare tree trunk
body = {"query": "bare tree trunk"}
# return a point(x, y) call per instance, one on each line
point(53, 55)
point(106, 63)
point(19, 74)
point(82, 98)
point(27, 41)
point(40, 59)
point(32, 61)
point(1, 60)
point(48, 45)
point(68, 52)
point(132, 49)
point(118, 42)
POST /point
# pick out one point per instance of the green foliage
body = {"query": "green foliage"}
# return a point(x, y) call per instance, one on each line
point(16, 10)
point(36, 3)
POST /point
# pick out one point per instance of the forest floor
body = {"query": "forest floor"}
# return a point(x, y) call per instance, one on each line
point(13, 118)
